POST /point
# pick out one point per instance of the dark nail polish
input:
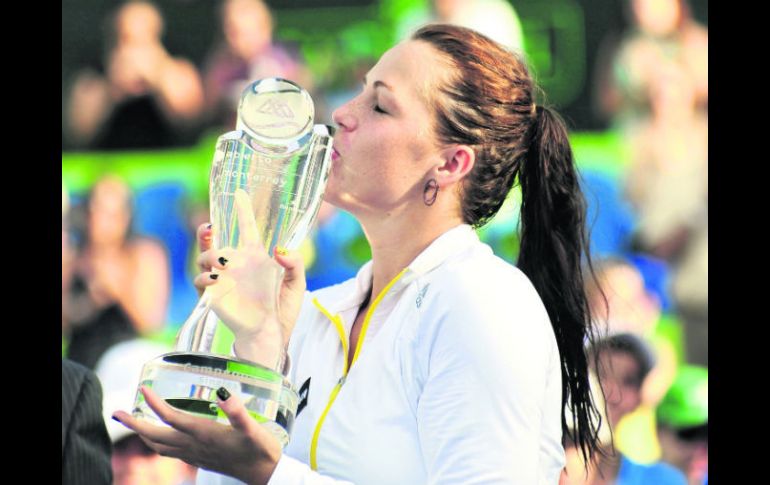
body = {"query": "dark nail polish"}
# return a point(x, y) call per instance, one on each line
point(214, 276)
point(223, 394)
point(116, 419)
point(222, 260)
point(209, 226)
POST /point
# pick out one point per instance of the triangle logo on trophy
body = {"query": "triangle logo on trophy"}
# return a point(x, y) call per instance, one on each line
point(277, 108)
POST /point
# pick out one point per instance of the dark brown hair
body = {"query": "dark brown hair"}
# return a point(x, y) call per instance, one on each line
point(488, 103)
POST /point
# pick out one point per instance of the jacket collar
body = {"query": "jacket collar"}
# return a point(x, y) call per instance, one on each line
point(352, 293)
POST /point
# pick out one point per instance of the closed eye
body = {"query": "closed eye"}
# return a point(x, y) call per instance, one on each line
point(377, 109)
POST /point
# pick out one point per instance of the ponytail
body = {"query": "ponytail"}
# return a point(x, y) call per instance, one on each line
point(553, 245)
point(488, 104)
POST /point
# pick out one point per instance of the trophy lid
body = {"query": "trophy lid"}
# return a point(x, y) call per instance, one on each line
point(276, 110)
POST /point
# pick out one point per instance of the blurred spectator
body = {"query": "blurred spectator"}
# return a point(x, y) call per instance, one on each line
point(654, 87)
point(667, 180)
point(119, 282)
point(667, 184)
point(630, 308)
point(496, 19)
point(246, 53)
point(146, 99)
point(85, 446)
point(663, 34)
point(133, 462)
point(683, 424)
point(623, 364)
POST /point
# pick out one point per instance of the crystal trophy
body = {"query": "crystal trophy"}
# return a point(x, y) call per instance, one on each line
point(278, 161)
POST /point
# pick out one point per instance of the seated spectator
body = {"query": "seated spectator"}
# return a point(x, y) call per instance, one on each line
point(146, 99)
point(663, 33)
point(631, 308)
point(119, 282)
point(623, 363)
point(247, 52)
point(667, 180)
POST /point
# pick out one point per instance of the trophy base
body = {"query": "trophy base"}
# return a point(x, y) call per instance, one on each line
point(189, 381)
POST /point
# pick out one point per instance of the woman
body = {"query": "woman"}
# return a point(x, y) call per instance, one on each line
point(118, 283)
point(438, 362)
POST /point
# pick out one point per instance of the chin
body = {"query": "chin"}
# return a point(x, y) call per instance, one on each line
point(343, 200)
point(331, 194)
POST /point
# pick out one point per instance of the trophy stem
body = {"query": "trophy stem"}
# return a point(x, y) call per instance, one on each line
point(197, 333)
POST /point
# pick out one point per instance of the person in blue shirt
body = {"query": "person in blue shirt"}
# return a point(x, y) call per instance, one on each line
point(624, 361)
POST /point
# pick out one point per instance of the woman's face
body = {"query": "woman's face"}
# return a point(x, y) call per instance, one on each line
point(109, 214)
point(657, 17)
point(386, 144)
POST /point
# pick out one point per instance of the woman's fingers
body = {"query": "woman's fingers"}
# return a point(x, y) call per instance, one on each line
point(204, 280)
point(205, 235)
point(211, 263)
point(262, 450)
point(151, 433)
point(170, 451)
point(173, 417)
point(212, 259)
point(235, 411)
point(292, 289)
point(292, 263)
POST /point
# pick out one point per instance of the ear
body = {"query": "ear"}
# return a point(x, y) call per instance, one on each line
point(458, 162)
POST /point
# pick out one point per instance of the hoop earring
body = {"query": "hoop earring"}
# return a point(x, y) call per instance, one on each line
point(430, 192)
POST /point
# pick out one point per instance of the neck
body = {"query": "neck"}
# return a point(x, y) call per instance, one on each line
point(397, 239)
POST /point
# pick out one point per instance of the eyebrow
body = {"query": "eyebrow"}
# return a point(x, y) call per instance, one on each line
point(378, 84)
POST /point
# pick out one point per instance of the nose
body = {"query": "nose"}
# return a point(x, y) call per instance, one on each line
point(344, 118)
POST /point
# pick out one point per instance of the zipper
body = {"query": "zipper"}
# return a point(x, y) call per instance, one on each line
point(338, 324)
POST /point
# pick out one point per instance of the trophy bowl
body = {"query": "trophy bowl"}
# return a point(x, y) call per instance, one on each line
point(280, 160)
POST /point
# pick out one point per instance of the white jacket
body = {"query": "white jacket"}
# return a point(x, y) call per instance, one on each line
point(457, 379)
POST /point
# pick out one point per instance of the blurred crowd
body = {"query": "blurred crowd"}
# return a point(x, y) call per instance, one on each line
point(127, 261)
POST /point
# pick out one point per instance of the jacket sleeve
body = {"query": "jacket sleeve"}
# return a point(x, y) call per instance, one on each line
point(480, 413)
point(294, 472)
point(86, 448)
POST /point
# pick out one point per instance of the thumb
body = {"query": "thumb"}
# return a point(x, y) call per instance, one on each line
point(292, 263)
point(235, 410)
point(205, 235)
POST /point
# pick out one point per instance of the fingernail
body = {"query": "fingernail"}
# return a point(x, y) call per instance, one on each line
point(209, 226)
point(213, 276)
point(222, 260)
point(223, 394)
point(116, 419)
point(281, 251)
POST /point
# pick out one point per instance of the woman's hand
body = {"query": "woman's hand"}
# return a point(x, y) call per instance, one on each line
point(243, 449)
point(243, 283)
